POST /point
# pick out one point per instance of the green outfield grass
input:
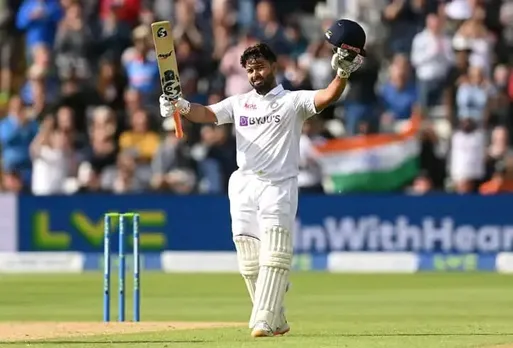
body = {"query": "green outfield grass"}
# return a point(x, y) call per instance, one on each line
point(325, 310)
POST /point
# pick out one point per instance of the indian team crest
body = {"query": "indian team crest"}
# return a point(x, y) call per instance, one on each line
point(275, 105)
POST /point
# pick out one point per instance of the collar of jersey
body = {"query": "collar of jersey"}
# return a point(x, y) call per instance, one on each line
point(275, 91)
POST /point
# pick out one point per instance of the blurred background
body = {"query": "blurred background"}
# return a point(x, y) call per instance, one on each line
point(79, 91)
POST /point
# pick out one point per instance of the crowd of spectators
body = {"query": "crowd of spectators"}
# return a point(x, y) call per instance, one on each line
point(79, 89)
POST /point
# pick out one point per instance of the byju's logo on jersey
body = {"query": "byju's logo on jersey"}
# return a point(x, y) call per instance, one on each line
point(246, 121)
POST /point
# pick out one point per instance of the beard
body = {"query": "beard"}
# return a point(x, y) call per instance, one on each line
point(264, 86)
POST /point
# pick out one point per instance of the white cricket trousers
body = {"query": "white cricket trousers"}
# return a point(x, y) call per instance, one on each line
point(256, 204)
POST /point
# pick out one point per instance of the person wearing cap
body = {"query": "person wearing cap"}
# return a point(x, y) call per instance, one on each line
point(263, 192)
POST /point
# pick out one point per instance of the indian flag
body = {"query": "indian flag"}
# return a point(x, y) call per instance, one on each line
point(372, 163)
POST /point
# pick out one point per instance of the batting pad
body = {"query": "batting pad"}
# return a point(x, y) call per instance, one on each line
point(248, 251)
point(275, 263)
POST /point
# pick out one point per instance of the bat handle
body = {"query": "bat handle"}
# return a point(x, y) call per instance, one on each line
point(178, 125)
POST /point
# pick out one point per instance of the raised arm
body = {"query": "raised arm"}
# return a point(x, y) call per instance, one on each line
point(329, 95)
point(344, 64)
point(349, 38)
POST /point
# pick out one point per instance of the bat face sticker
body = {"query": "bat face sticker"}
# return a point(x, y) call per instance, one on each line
point(171, 84)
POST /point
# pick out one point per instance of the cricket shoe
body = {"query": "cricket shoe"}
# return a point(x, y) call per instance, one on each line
point(283, 325)
point(262, 329)
point(282, 330)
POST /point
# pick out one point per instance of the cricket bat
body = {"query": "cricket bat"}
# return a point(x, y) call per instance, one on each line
point(168, 69)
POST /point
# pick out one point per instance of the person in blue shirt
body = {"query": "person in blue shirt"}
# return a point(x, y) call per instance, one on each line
point(398, 96)
point(38, 19)
point(16, 134)
point(140, 65)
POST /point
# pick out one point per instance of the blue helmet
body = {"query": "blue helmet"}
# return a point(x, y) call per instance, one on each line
point(348, 35)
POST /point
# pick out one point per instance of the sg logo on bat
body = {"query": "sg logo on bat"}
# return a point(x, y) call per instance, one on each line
point(161, 32)
point(171, 84)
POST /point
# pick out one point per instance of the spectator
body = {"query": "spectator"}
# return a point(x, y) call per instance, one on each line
point(467, 157)
point(74, 50)
point(223, 14)
point(187, 57)
point(497, 149)
point(475, 31)
point(431, 56)
point(462, 51)
point(296, 41)
point(223, 40)
point(54, 159)
point(16, 134)
point(139, 138)
point(361, 101)
point(506, 20)
point(126, 10)
point(40, 89)
point(294, 77)
point(317, 61)
point(140, 66)
point(212, 180)
point(502, 179)
point(65, 121)
point(39, 19)
point(113, 34)
point(89, 180)
point(173, 168)
point(110, 84)
point(132, 103)
point(403, 20)
point(473, 97)
point(12, 181)
point(500, 110)
point(186, 25)
point(215, 156)
point(102, 149)
point(6, 50)
point(269, 29)
point(235, 74)
point(421, 185)
point(125, 177)
point(398, 96)
point(310, 173)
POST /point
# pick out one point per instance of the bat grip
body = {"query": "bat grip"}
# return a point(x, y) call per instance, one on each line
point(178, 124)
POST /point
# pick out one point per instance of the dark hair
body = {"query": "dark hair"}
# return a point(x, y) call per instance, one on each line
point(260, 50)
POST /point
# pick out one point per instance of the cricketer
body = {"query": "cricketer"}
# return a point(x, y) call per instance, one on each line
point(263, 192)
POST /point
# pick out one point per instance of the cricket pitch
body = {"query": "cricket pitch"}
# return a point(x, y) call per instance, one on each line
point(28, 331)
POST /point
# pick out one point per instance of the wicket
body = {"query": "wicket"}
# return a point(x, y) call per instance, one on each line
point(121, 267)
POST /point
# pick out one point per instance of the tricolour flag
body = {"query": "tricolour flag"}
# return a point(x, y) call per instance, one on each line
point(372, 163)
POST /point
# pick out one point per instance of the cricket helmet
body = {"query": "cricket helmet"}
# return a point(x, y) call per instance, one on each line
point(347, 34)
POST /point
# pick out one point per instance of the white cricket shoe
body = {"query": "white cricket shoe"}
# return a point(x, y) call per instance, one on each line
point(283, 325)
point(262, 329)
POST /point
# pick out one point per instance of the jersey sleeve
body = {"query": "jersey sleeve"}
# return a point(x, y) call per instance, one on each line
point(223, 111)
point(305, 104)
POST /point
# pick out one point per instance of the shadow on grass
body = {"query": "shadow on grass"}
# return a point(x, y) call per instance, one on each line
point(102, 342)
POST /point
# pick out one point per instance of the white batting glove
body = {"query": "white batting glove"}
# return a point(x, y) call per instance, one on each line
point(168, 107)
point(345, 62)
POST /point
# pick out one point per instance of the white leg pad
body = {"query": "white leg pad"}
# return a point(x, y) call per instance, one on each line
point(248, 252)
point(275, 263)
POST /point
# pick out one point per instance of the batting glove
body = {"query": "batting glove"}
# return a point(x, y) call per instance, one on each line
point(168, 107)
point(345, 62)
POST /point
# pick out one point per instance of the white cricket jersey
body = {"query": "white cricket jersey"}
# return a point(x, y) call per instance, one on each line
point(267, 129)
